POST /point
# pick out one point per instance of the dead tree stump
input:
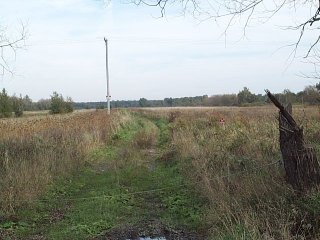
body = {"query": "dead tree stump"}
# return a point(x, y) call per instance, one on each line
point(300, 162)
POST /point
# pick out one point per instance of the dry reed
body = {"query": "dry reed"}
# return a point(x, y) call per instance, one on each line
point(36, 150)
point(238, 168)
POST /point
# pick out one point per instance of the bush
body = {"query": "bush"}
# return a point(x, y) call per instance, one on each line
point(59, 105)
point(5, 105)
point(68, 105)
point(17, 106)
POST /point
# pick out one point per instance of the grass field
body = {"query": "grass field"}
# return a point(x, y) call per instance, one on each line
point(157, 172)
point(35, 150)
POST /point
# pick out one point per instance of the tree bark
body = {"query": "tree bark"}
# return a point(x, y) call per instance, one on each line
point(300, 161)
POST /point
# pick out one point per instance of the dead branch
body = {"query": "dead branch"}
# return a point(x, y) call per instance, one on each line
point(300, 161)
point(215, 9)
point(12, 45)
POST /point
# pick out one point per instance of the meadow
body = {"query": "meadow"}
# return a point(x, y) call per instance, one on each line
point(35, 150)
point(238, 169)
point(178, 165)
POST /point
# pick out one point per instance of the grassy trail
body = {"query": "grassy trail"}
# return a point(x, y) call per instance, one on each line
point(129, 189)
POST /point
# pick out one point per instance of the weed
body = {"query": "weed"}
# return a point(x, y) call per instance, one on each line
point(35, 150)
point(116, 189)
point(183, 169)
point(236, 169)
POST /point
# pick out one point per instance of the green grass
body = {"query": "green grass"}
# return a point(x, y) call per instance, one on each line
point(164, 127)
point(122, 185)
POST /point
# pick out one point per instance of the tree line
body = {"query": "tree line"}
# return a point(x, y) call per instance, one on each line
point(16, 105)
point(310, 95)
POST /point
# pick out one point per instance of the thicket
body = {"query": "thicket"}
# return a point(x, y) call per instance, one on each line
point(59, 105)
point(5, 104)
point(9, 105)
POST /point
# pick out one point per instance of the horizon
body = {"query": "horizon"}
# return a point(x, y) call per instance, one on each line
point(160, 99)
point(149, 57)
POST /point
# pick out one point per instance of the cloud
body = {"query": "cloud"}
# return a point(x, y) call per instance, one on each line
point(149, 57)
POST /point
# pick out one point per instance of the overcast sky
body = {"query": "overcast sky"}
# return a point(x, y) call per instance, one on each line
point(149, 57)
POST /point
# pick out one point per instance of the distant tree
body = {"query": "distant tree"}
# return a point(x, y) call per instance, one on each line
point(17, 105)
point(204, 98)
point(99, 107)
point(260, 98)
point(5, 105)
point(43, 104)
point(311, 95)
point(168, 102)
point(289, 96)
point(68, 105)
point(27, 103)
point(143, 102)
point(59, 105)
point(245, 96)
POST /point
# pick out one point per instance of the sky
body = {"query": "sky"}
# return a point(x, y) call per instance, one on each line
point(149, 56)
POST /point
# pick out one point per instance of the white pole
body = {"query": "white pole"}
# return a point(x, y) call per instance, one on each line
point(107, 75)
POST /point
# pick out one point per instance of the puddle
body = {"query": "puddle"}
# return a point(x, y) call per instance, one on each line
point(149, 238)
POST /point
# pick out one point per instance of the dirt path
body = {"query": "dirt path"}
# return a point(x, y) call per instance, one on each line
point(152, 226)
point(127, 191)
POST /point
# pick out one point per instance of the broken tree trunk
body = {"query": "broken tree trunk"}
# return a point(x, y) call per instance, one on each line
point(300, 162)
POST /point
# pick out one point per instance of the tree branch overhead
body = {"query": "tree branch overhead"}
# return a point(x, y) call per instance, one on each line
point(11, 44)
point(249, 10)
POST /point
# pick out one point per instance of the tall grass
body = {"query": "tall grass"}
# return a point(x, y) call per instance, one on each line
point(36, 150)
point(238, 170)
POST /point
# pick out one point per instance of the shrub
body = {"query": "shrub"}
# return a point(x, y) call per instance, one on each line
point(59, 105)
point(5, 105)
point(17, 106)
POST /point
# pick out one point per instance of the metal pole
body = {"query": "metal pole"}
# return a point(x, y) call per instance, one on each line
point(107, 75)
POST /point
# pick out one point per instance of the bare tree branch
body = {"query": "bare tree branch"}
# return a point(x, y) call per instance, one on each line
point(233, 9)
point(9, 45)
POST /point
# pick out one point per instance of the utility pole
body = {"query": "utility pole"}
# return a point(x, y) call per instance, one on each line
point(107, 75)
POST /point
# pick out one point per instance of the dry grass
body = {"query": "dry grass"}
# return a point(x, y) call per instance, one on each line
point(146, 137)
point(36, 150)
point(237, 170)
